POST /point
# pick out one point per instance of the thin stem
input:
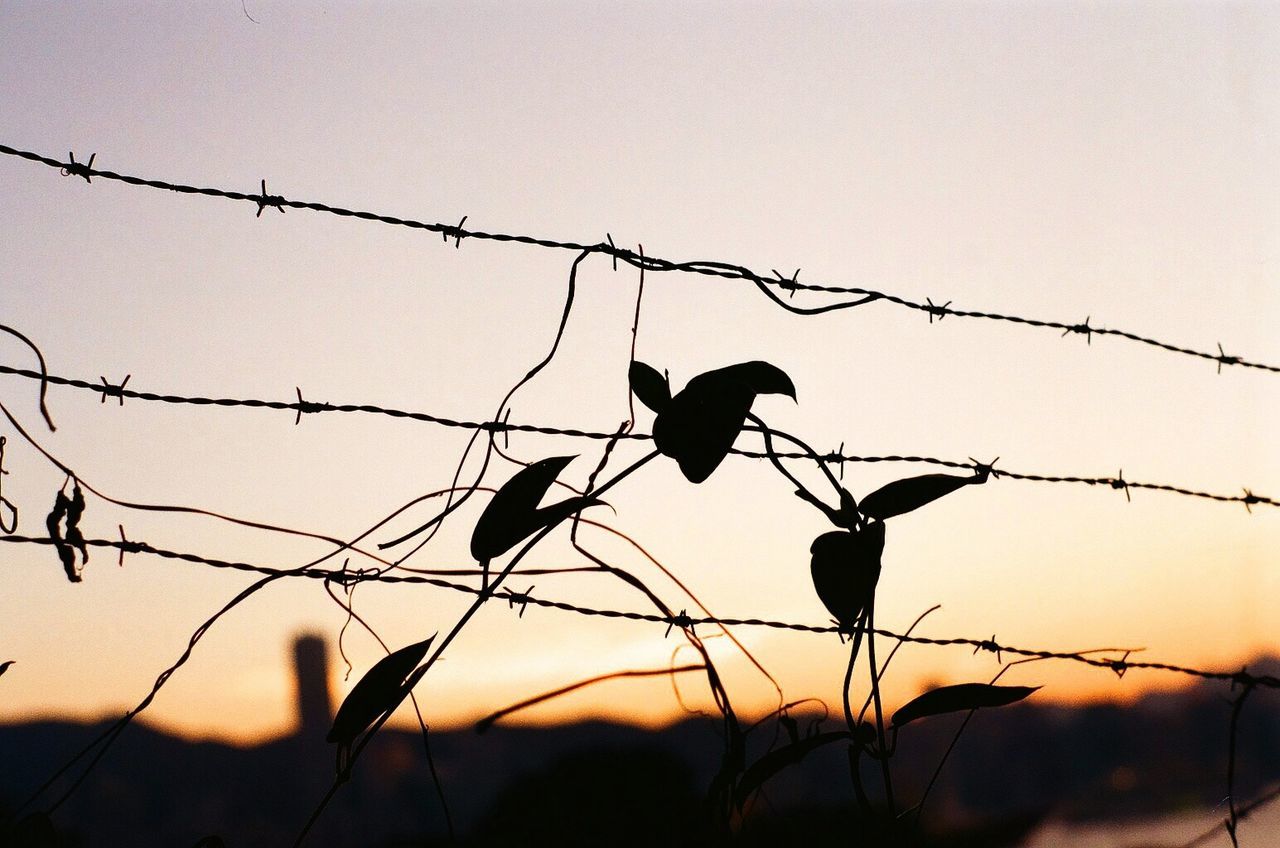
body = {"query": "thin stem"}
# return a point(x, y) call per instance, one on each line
point(1233, 814)
point(485, 723)
point(875, 693)
point(855, 745)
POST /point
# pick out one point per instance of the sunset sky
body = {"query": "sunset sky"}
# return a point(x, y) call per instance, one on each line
point(1050, 160)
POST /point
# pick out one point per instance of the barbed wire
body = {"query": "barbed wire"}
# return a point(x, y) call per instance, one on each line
point(521, 600)
point(263, 201)
point(302, 407)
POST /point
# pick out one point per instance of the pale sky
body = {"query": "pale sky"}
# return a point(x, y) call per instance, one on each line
point(1051, 160)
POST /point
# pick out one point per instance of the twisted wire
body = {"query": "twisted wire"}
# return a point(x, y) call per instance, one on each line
point(304, 407)
point(521, 599)
point(263, 200)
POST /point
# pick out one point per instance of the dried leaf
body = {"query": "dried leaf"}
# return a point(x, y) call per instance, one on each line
point(379, 691)
point(649, 387)
point(845, 566)
point(700, 424)
point(959, 698)
point(903, 496)
point(53, 522)
point(512, 515)
point(775, 761)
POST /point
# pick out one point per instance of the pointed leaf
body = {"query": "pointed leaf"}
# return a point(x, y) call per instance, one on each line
point(845, 567)
point(4, 666)
point(379, 691)
point(649, 387)
point(775, 761)
point(959, 698)
point(698, 426)
point(511, 515)
point(761, 377)
point(902, 496)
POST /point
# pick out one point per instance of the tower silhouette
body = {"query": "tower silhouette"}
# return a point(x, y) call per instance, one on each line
point(311, 680)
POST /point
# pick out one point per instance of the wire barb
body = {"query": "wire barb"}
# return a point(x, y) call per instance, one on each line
point(306, 407)
point(935, 310)
point(264, 200)
point(520, 599)
point(1224, 359)
point(1083, 329)
point(788, 284)
point(456, 231)
point(79, 169)
point(1118, 482)
point(683, 621)
point(992, 646)
point(1121, 665)
point(109, 390)
point(127, 547)
point(612, 251)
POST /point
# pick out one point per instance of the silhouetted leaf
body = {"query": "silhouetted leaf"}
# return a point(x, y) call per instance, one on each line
point(902, 496)
point(761, 377)
point(699, 425)
point(4, 666)
point(845, 566)
point(512, 515)
point(379, 691)
point(75, 509)
point(775, 761)
point(958, 698)
point(53, 522)
point(649, 387)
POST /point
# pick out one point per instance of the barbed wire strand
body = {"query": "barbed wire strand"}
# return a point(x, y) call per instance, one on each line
point(304, 407)
point(524, 599)
point(263, 200)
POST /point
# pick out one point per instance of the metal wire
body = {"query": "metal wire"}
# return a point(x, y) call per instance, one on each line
point(263, 200)
point(522, 599)
point(304, 407)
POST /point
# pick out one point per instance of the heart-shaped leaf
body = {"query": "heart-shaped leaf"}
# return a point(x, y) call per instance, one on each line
point(959, 698)
point(775, 761)
point(649, 387)
point(902, 496)
point(699, 425)
point(380, 690)
point(512, 515)
point(845, 566)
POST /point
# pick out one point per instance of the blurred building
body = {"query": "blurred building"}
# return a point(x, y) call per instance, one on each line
point(311, 681)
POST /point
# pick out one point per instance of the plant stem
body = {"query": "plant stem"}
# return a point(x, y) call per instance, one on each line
point(875, 694)
point(855, 746)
